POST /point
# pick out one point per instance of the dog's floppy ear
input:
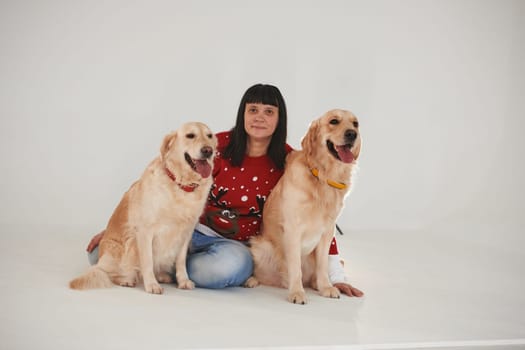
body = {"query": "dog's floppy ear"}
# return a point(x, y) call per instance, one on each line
point(166, 144)
point(309, 141)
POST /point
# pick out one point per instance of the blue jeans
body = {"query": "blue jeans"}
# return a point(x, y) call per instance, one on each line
point(213, 262)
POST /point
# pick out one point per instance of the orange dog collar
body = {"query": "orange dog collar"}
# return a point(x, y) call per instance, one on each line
point(338, 185)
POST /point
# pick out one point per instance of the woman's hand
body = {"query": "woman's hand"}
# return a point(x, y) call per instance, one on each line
point(347, 289)
point(95, 241)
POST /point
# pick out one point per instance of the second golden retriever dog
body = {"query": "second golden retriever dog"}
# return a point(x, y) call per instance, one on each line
point(150, 230)
point(300, 214)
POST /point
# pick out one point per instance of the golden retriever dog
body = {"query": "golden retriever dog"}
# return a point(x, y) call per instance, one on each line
point(300, 214)
point(150, 230)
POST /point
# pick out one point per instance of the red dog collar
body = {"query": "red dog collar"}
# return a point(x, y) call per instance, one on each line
point(187, 188)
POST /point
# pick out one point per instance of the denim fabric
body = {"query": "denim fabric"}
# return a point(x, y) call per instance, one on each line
point(217, 262)
point(213, 262)
point(93, 256)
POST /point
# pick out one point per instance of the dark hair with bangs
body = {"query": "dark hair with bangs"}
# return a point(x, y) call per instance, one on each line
point(268, 95)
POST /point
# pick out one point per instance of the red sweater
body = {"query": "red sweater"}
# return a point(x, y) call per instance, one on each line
point(236, 200)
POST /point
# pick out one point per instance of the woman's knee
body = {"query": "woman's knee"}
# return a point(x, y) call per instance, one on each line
point(224, 264)
point(93, 256)
point(240, 260)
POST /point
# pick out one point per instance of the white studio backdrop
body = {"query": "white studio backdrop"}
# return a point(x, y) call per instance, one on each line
point(89, 88)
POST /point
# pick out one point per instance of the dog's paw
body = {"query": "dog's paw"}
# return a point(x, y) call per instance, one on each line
point(164, 277)
point(297, 297)
point(330, 292)
point(126, 281)
point(251, 282)
point(186, 284)
point(154, 288)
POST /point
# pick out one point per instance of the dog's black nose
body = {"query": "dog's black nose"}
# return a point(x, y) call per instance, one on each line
point(206, 151)
point(350, 135)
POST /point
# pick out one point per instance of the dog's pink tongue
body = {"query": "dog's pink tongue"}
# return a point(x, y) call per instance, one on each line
point(203, 168)
point(345, 154)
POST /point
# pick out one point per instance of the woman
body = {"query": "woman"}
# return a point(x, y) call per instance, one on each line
point(250, 161)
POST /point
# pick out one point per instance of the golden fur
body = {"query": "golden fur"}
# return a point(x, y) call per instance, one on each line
point(300, 214)
point(151, 228)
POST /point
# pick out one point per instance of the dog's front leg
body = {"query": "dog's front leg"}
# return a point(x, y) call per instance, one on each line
point(292, 248)
point(183, 281)
point(324, 286)
point(145, 249)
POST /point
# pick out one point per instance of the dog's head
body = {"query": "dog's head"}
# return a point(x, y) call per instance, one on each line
point(334, 136)
point(188, 152)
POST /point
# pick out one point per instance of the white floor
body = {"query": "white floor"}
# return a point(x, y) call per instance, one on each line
point(423, 290)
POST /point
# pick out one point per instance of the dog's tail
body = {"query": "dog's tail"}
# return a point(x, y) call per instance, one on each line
point(269, 264)
point(95, 277)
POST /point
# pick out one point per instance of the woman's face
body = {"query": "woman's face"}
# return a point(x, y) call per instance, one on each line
point(260, 120)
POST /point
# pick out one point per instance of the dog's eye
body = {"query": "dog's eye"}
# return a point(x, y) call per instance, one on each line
point(356, 124)
point(228, 214)
point(190, 135)
point(334, 121)
point(210, 136)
